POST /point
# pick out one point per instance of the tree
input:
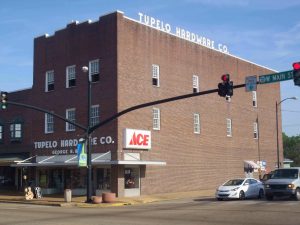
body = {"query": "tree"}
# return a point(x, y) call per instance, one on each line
point(291, 148)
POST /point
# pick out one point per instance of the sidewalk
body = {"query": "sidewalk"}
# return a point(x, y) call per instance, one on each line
point(79, 201)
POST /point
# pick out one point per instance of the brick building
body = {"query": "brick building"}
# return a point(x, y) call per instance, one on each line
point(184, 145)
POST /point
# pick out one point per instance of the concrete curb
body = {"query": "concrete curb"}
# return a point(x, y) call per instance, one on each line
point(79, 202)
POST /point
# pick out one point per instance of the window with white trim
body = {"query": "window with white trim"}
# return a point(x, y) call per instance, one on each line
point(94, 70)
point(49, 86)
point(156, 119)
point(254, 99)
point(195, 84)
point(15, 131)
point(71, 76)
point(155, 75)
point(95, 118)
point(1, 133)
point(228, 127)
point(70, 115)
point(49, 123)
point(196, 123)
point(255, 130)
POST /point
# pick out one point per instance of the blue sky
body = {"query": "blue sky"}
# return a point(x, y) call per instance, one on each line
point(266, 32)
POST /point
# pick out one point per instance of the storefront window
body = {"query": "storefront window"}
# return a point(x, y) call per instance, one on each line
point(75, 178)
point(103, 178)
point(43, 181)
point(131, 176)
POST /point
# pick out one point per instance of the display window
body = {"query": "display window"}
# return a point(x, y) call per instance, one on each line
point(131, 178)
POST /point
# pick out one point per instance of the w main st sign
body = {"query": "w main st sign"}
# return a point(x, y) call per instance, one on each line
point(137, 139)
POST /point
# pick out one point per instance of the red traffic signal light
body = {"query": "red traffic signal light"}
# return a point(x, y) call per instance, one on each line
point(296, 66)
point(296, 73)
point(225, 77)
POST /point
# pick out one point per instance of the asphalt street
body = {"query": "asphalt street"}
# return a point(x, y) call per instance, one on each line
point(176, 212)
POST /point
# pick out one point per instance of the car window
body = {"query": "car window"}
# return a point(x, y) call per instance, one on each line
point(252, 181)
point(285, 174)
point(247, 182)
point(234, 182)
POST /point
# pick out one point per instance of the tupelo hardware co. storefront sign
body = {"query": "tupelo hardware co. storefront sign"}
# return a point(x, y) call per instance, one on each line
point(69, 146)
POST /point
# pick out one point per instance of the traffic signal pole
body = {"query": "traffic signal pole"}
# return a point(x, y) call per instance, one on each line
point(144, 105)
point(46, 111)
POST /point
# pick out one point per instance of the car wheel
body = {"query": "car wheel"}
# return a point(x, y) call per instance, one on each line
point(269, 197)
point(242, 195)
point(297, 194)
point(261, 194)
point(219, 199)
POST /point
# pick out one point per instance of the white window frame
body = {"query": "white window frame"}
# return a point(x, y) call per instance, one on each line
point(95, 115)
point(16, 131)
point(155, 75)
point(94, 70)
point(70, 76)
point(49, 81)
point(197, 125)
point(156, 118)
point(49, 123)
point(229, 127)
point(196, 84)
point(70, 115)
point(255, 130)
point(254, 98)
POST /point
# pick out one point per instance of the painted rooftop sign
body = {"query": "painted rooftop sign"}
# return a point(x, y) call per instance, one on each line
point(182, 33)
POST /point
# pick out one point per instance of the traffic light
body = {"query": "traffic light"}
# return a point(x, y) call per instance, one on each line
point(230, 88)
point(3, 100)
point(296, 73)
point(225, 89)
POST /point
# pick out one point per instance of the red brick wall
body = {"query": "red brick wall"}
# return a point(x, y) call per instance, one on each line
point(193, 161)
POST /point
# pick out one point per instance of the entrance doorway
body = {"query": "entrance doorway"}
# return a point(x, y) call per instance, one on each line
point(132, 181)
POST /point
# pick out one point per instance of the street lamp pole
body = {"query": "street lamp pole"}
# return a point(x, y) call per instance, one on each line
point(277, 138)
point(85, 69)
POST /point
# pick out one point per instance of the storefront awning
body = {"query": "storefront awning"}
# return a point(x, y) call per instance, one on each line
point(71, 160)
point(250, 164)
point(61, 160)
point(7, 159)
point(138, 162)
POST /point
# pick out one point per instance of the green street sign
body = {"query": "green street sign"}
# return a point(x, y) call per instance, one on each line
point(276, 77)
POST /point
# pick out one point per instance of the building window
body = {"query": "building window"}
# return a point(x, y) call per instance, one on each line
point(94, 70)
point(196, 123)
point(95, 118)
point(156, 119)
point(254, 99)
point(255, 130)
point(71, 76)
point(229, 128)
point(49, 123)
point(70, 115)
point(49, 81)
point(1, 133)
point(155, 75)
point(195, 84)
point(16, 131)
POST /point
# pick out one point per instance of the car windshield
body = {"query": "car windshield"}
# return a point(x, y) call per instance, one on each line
point(286, 173)
point(234, 182)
